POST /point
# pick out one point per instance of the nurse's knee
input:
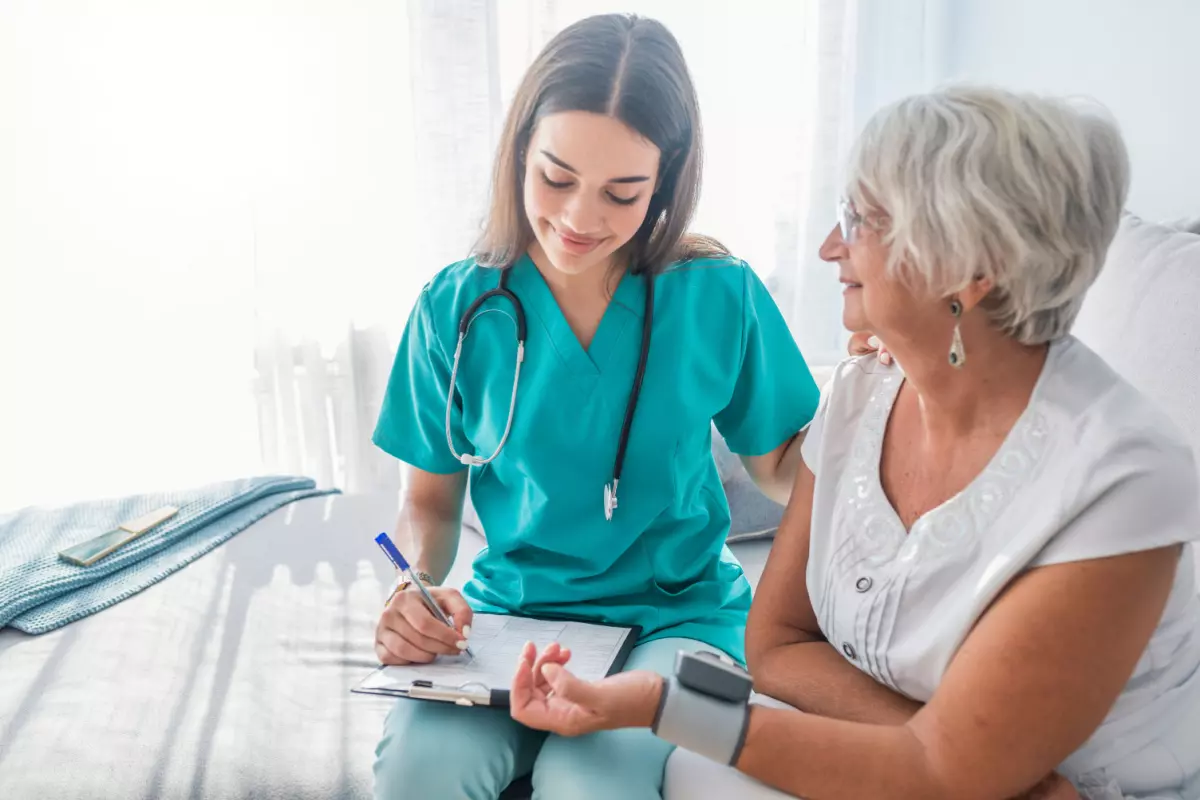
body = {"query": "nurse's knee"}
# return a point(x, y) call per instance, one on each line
point(612, 765)
point(431, 750)
point(404, 762)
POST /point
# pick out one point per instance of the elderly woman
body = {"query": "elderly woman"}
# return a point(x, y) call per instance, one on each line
point(982, 583)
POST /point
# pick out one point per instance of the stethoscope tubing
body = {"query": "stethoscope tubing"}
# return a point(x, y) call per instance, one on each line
point(464, 325)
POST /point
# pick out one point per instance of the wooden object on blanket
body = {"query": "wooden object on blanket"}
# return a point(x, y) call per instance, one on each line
point(89, 552)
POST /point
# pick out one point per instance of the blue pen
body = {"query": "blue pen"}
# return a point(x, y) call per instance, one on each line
point(389, 549)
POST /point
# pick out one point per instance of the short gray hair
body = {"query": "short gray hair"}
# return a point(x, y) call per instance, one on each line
point(1025, 190)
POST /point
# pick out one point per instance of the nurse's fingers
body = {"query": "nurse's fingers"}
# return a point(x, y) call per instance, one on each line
point(421, 629)
point(455, 606)
point(1053, 787)
point(392, 649)
point(410, 606)
point(862, 342)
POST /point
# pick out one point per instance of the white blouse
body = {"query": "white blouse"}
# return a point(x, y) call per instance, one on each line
point(1090, 469)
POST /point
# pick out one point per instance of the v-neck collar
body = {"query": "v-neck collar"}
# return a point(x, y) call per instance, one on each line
point(623, 314)
point(1028, 427)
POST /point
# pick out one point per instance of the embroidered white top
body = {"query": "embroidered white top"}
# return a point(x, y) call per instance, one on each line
point(1091, 469)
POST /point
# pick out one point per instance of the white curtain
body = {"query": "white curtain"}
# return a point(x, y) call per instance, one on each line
point(215, 216)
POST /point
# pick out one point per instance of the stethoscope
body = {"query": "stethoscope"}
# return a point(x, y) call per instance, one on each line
point(464, 325)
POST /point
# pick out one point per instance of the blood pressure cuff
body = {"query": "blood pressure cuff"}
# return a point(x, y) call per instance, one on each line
point(704, 708)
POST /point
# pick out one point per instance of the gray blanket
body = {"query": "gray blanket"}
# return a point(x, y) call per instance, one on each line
point(228, 679)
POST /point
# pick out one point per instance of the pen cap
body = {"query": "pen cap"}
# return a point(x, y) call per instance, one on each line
point(386, 545)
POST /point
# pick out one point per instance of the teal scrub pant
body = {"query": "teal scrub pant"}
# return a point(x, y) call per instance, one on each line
point(442, 751)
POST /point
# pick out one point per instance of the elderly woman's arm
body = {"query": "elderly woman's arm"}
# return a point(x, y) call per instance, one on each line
point(791, 661)
point(1033, 680)
point(787, 655)
point(1007, 711)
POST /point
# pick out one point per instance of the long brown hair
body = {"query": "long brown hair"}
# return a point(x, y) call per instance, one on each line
point(629, 68)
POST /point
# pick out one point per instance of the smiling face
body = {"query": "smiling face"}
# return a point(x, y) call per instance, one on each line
point(874, 299)
point(588, 182)
point(902, 311)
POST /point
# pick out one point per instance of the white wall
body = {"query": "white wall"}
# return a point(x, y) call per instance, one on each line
point(1141, 59)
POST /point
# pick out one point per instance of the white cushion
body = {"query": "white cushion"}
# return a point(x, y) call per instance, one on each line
point(1191, 225)
point(1143, 316)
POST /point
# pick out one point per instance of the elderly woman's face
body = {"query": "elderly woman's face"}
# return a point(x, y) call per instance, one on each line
point(872, 299)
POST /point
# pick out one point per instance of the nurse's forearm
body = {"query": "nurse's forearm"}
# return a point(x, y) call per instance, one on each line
point(431, 537)
point(431, 521)
point(775, 472)
point(789, 464)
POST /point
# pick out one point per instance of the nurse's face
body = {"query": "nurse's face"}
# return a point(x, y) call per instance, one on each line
point(588, 181)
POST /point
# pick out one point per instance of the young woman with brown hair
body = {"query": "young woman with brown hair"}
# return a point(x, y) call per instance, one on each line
point(630, 338)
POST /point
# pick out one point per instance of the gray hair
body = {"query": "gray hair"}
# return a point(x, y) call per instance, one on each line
point(1024, 190)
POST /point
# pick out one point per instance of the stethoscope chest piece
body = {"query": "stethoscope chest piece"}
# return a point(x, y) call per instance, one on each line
point(610, 499)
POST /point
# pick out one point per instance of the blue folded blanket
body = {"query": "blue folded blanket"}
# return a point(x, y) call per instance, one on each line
point(40, 592)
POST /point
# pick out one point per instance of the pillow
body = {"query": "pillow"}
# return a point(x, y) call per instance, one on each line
point(752, 514)
point(1191, 225)
point(1141, 317)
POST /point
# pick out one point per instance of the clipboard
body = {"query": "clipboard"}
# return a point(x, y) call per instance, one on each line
point(602, 649)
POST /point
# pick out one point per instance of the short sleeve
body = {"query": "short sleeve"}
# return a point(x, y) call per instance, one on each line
point(810, 448)
point(412, 420)
point(1150, 505)
point(774, 394)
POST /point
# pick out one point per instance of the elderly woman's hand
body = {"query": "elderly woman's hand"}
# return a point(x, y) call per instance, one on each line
point(547, 697)
point(865, 342)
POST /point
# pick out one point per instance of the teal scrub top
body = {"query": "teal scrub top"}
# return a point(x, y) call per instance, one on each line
point(720, 352)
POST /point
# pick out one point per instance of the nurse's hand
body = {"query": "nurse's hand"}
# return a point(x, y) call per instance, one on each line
point(865, 342)
point(409, 633)
point(1054, 787)
point(547, 697)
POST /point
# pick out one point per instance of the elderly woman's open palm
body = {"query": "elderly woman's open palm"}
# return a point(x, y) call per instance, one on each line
point(546, 696)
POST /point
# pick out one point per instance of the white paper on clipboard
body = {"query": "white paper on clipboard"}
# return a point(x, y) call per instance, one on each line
point(496, 640)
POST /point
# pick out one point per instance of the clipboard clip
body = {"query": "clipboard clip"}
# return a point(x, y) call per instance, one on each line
point(462, 695)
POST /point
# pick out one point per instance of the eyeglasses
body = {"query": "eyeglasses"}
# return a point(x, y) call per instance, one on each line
point(849, 220)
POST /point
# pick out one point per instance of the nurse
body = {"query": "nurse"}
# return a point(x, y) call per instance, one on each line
point(586, 446)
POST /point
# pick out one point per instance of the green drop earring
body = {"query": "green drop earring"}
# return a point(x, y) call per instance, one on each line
point(958, 354)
